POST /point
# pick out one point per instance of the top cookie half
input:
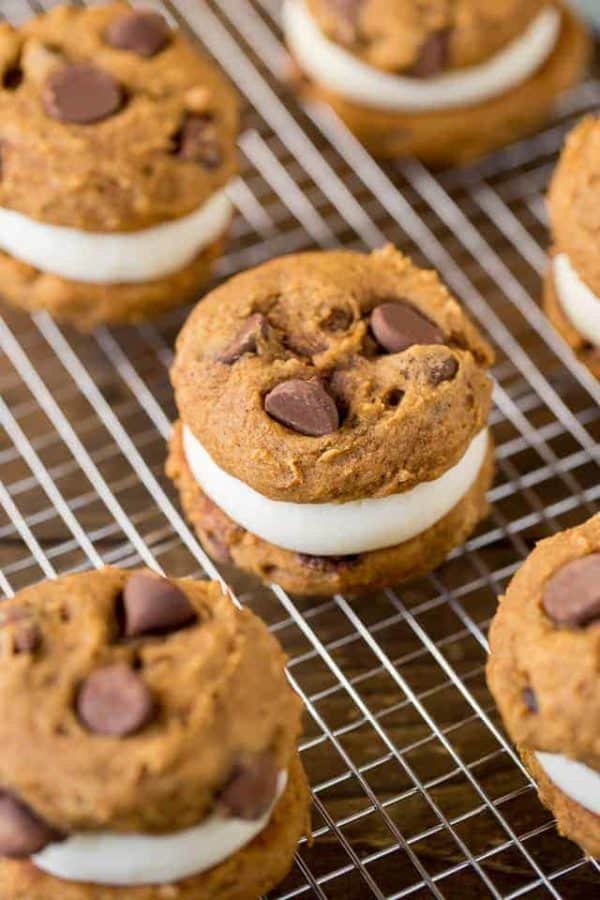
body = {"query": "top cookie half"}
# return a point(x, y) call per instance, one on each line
point(409, 38)
point(574, 202)
point(396, 372)
point(130, 702)
point(107, 127)
point(545, 647)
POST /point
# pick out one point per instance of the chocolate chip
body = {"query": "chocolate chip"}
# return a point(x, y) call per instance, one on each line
point(143, 32)
point(398, 325)
point(246, 340)
point(303, 406)
point(13, 78)
point(22, 832)
point(441, 370)
point(328, 563)
point(307, 345)
point(337, 320)
point(196, 142)
point(154, 605)
point(434, 55)
point(81, 93)
point(348, 11)
point(252, 789)
point(394, 398)
point(572, 596)
point(217, 548)
point(115, 701)
point(530, 700)
point(28, 637)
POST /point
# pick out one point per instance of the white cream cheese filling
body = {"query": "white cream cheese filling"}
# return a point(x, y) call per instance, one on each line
point(580, 304)
point(131, 859)
point(577, 781)
point(336, 529)
point(341, 72)
point(117, 257)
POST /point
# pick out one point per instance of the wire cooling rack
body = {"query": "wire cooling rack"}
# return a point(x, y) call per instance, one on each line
point(416, 790)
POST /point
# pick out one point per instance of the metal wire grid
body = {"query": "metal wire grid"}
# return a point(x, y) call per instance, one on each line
point(416, 790)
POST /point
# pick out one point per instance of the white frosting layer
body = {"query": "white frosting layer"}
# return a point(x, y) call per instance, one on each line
point(581, 305)
point(577, 781)
point(130, 859)
point(336, 529)
point(349, 77)
point(118, 257)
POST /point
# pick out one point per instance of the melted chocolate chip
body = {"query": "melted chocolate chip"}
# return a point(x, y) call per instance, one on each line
point(304, 407)
point(246, 341)
point(13, 78)
point(154, 605)
point(22, 832)
point(337, 320)
point(252, 789)
point(328, 563)
point(197, 142)
point(115, 701)
point(398, 325)
point(441, 370)
point(572, 596)
point(530, 700)
point(81, 94)
point(394, 398)
point(434, 55)
point(28, 637)
point(348, 12)
point(141, 31)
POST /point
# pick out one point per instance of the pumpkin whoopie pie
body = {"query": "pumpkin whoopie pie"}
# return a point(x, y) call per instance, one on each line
point(543, 673)
point(572, 288)
point(148, 737)
point(332, 432)
point(117, 141)
point(444, 81)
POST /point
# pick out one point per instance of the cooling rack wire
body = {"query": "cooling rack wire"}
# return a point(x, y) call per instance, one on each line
point(417, 792)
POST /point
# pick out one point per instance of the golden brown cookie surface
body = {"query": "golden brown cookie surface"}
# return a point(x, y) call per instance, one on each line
point(151, 699)
point(545, 647)
point(392, 373)
point(108, 127)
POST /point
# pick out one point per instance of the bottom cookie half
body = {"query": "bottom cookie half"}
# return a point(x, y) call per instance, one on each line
point(251, 872)
point(89, 305)
point(588, 354)
point(456, 136)
point(228, 542)
point(574, 821)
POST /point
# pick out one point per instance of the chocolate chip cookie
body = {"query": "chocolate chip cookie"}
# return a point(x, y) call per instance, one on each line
point(543, 673)
point(161, 743)
point(446, 82)
point(572, 287)
point(333, 411)
point(117, 142)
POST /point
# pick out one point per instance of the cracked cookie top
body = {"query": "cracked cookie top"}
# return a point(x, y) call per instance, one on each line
point(333, 376)
point(110, 120)
point(574, 201)
point(144, 704)
point(423, 39)
point(545, 647)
